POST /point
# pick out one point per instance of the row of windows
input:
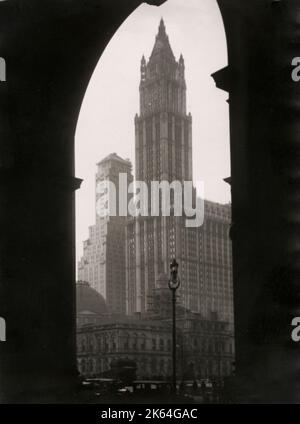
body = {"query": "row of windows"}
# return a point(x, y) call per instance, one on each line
point(106, 344)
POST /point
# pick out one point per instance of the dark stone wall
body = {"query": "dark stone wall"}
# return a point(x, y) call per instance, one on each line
point(263, 37)
point(51, 49)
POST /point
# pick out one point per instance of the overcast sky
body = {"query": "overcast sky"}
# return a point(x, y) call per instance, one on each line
point(106, 122)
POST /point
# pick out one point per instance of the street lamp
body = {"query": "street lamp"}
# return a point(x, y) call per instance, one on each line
point(174, 284)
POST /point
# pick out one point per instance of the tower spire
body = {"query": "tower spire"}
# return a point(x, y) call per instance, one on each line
point(162, 44)
point(162, 27)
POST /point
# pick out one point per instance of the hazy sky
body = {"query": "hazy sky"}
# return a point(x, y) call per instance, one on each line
point(106, 122)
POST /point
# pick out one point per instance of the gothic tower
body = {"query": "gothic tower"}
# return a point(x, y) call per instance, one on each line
point(163, 129)
point(163, 152)
point(163, 141)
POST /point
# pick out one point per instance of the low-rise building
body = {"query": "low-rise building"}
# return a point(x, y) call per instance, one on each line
point(147, 343)
point(205, 347)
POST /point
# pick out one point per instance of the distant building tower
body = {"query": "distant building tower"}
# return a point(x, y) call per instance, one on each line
point(103, 261)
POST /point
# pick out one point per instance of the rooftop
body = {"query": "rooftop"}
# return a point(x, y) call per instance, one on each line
point(113, 157)
point(88, 300)
point(162, 44)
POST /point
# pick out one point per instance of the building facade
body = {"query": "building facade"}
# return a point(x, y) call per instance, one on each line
point(204, 348)
point(147, 343)
point(103, 262)
point(215, 262)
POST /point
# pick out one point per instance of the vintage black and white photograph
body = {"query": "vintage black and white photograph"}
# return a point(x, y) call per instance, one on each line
point(149, 163)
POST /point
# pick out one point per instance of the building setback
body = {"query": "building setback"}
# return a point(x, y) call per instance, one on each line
point(103, 262)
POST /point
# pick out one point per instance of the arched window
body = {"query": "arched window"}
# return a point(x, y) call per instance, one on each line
point(169, 345)
point(91, 343)
point(161, 344)
point(135, 342)
point(94, 366)
point(162, 367)
point(143, 342)
point(126, 342)
point(153, 366)
point(83, 345)
point(154, 344)
point(113, 343)
point(106, 343)
point(169, 367)
point(100, 343)
point(99, 366)
point(2, 78)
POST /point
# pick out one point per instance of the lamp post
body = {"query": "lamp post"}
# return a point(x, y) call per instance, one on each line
point(174, 283)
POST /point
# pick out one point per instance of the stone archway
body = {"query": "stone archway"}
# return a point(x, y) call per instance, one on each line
point(50, 54)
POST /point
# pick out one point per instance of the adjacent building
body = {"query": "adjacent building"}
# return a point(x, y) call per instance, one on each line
point(147, 343)
point(103, 262)
point(215, 262)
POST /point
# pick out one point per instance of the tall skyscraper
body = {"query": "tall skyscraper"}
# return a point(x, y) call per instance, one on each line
point(163, 140)
point(163, 147)
point(103, 261)
point(163, 129)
